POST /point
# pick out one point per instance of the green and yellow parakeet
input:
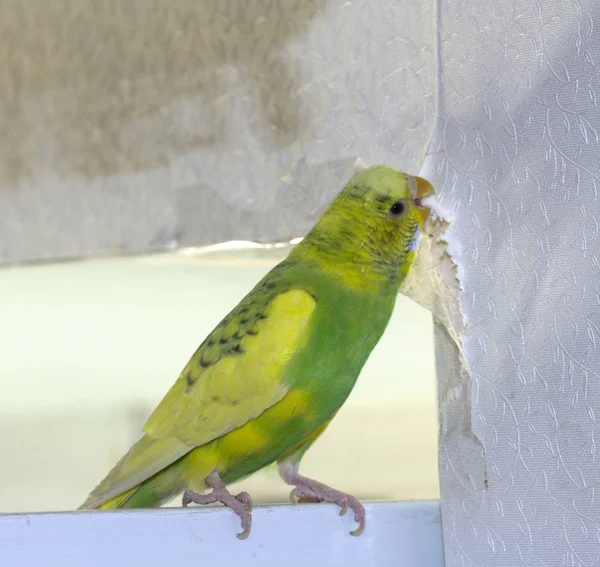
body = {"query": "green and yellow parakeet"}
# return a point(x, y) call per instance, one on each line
point(271, 376)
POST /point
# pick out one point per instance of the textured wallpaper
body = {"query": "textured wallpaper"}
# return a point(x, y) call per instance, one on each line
point(129, 126)
point(516, 153)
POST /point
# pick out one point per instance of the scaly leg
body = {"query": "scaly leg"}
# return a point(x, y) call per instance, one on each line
point(241, 503)
point(309, 490)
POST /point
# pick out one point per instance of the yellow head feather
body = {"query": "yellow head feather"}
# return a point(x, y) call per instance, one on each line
point(369, 234)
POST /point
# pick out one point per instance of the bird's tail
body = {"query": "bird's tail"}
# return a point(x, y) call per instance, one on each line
point(149, 494)
point(119, 501)
point(149, 475)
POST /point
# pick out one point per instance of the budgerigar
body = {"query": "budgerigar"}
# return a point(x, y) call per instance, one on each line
point(271, 376)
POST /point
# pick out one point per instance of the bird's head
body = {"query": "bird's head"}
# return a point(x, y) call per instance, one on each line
point(371, 230)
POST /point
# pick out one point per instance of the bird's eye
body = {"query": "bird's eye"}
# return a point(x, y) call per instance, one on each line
point(397, 209)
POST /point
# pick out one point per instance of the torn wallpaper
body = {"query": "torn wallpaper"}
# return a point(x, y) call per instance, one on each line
point(515, 156)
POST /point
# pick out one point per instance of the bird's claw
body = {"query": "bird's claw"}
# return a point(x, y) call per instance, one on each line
point(241, 503)
point(298, 496)
point(245, 499)
point(302, 493)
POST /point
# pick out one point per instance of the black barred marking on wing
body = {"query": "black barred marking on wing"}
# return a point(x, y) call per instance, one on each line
point(226, 339)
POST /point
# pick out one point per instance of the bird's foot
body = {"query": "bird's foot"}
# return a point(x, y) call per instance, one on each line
point(308, 490)
point(241, 503)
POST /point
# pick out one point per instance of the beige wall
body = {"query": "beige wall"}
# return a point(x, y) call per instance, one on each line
point(142, 125)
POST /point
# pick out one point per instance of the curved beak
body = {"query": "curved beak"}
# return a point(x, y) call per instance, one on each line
point(424, 189)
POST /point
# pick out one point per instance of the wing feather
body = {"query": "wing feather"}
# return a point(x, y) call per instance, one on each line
point(235, 375)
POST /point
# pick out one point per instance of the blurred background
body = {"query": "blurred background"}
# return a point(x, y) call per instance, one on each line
point(130, 131)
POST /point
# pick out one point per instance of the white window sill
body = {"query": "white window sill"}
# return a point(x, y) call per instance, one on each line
point(402, 534)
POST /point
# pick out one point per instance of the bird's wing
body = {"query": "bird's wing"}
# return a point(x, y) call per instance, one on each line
point(236, 374)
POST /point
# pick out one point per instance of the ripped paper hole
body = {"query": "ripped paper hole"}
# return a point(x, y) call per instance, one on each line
point(433, 280)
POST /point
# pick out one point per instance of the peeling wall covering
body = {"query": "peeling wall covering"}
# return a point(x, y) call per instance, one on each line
point(515, 154)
